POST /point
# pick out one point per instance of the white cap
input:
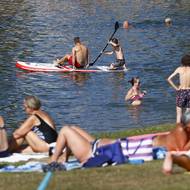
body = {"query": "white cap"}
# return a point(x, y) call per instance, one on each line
point(168, 20)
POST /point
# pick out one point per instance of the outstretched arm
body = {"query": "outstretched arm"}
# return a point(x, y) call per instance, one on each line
point(24, 128)
point(171, 77)
point(108, 52)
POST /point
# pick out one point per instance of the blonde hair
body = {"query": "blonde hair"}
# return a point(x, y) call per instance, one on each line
point(32, 102)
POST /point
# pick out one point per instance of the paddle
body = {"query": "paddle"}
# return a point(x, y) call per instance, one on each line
point(45, 181)
point(116, 28)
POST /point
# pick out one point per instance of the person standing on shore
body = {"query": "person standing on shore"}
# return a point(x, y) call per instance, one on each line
point(183, 89)
point(181, 157)
point(78, 58)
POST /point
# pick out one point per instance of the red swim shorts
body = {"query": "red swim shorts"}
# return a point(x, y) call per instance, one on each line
point(76, 64)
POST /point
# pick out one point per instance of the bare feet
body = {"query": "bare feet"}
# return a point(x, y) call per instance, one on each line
point(166, 172)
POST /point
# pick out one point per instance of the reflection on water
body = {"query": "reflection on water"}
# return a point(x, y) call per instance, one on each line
point(40, 31)
point(78, 78)
point(135, 113)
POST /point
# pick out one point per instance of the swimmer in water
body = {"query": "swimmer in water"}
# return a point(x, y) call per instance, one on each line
point(168, 21)
point(126, 24)
point(134, 94)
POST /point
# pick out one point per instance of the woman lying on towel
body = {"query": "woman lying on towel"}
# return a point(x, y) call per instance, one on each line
point(38, 130)
point(90, 151)
point(180, 157)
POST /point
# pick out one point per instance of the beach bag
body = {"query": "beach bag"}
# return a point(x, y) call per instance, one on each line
point(159, 153)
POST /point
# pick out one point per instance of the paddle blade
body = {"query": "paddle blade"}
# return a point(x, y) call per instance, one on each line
point(116, 25)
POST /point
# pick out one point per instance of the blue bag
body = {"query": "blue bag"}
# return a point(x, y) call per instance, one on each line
point(109, 154)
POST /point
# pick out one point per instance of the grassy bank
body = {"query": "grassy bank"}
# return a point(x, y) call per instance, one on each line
point(146, 176)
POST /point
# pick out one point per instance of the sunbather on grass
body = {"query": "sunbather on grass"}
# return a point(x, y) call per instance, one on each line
point(180, 157)
point(35, 133)
point(84, 147)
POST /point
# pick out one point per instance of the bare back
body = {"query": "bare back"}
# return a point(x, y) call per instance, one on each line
point(174, 141)
point(81, 54)
point(119, 52)
point(184, 77)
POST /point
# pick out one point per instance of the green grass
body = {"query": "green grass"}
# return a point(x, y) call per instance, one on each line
point(131, 177)
point(137, 131)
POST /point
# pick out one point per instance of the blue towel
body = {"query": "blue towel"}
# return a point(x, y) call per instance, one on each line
point(37, 167)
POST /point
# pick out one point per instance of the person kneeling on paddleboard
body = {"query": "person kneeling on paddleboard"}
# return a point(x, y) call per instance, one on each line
point(120, 59)
point(78, 58)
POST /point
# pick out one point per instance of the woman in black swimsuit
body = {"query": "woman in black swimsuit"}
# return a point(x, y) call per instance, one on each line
point(38, 130)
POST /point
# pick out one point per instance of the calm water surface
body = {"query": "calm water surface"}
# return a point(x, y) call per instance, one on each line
point(40, 31)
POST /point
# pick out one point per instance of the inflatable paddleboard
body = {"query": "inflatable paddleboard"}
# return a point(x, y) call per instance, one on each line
point(49, 67)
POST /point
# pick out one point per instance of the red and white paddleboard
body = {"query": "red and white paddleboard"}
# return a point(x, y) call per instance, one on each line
point(49, 67)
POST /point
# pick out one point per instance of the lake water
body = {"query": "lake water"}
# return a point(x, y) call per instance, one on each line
point(40, 31)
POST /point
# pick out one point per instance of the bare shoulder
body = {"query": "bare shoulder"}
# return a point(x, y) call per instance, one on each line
point(31, 118)
point(179, 130)
point(47, 117)
point(180, 69)
point(84, 47)
point(130, 91)
point(74, 48)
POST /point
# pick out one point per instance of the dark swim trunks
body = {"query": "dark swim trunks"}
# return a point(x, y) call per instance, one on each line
point(119, 63)
point(183, 98)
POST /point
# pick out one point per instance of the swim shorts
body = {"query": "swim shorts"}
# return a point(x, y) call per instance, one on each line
point(76, 64)
point(119, 63)
point(110, 154)
point(183, 98)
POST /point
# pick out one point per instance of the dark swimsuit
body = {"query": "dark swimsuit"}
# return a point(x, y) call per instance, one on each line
point(44, 131)
point(4, 153)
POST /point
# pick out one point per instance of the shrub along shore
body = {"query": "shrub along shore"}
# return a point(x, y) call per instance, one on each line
point(131, 177)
